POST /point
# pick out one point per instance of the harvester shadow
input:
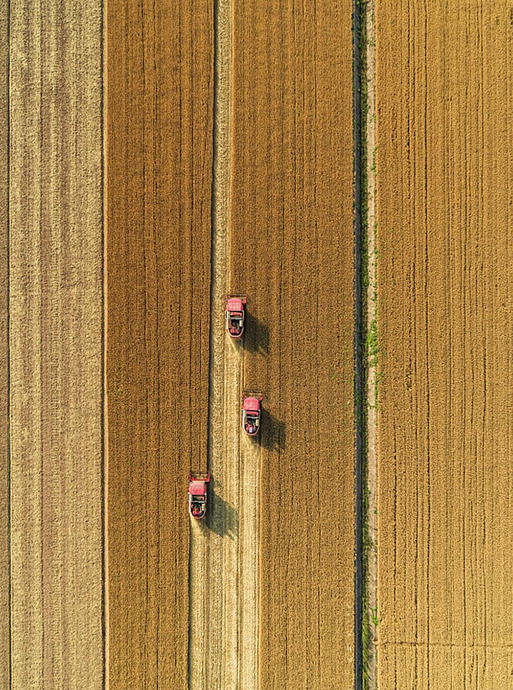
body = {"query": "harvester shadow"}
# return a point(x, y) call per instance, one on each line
point(223, 518)
point(256, 336)
point(273, 432)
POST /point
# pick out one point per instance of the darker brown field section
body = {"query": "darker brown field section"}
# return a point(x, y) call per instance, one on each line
point(292, 252)
point(159, 166)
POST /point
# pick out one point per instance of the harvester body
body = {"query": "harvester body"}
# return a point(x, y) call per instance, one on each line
point(251, 412)
point(235, 315)
point(198, 486)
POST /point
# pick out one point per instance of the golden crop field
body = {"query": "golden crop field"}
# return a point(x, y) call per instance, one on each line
point(292, 251)
point(281, 245)
point(158, 156)
point(444, 115)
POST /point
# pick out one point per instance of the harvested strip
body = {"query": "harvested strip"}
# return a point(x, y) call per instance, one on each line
point(55, 341)
point(224, 632)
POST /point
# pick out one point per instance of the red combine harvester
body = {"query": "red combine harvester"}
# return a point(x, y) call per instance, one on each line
point(235, 313)
point(251, 412)
point(198, 484)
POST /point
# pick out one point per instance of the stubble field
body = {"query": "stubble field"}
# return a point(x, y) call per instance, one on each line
point(52, 320)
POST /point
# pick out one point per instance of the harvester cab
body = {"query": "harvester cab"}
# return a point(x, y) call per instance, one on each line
point(251, 412)
point(235, 313)
point(198, 484)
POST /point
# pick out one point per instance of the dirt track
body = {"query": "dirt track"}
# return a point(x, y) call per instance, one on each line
point(445, 116)
point(55, 345)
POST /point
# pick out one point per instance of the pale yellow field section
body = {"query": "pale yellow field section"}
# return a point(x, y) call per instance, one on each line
point(4, 368)
point(55, 636)
point(445, 508)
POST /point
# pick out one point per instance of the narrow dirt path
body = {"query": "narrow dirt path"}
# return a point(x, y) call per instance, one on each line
point(369, 628)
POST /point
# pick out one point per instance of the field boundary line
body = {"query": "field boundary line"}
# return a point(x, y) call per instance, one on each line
point(359, 327)
point(105, 407)
point(372, 362)
point(8, 333)
point(365, 343)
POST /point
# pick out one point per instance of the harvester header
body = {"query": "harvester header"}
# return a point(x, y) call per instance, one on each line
point(198, 486)
point(235, 315)
point(251, 412)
